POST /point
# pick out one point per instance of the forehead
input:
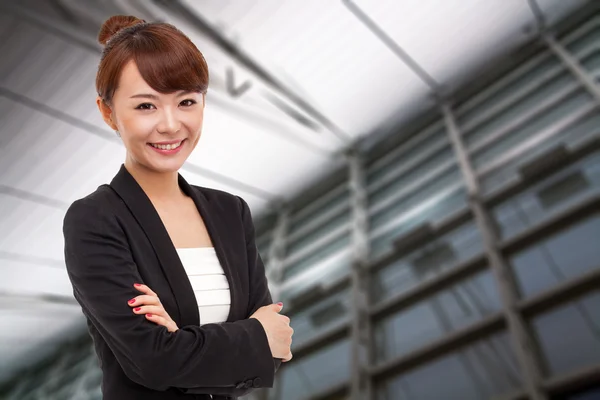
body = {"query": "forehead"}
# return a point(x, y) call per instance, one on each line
point(131, 79)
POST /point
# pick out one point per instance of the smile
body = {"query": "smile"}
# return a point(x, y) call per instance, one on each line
point(166, 146)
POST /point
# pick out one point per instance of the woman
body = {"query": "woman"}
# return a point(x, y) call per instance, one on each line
point(167, 273)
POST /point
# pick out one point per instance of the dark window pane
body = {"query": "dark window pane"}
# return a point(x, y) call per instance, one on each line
point(479, 371)
point(581, 131)
point(541, 201)
point(316, 318)
point(311, 236)
point(586, 40)
point(564, 256)
point(317, 256)
point(424, 167)
point(425, 196)
point(412, 150)
point(505, 89)
point(299, 218)
point(570, 335)
point(427, 262)
point(589, 394)
point(328, 367)
point(519, 108)
point(544, 121)
point(431, 209)
point(443, 313)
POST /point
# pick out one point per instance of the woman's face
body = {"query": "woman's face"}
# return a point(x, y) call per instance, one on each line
point(159, 130)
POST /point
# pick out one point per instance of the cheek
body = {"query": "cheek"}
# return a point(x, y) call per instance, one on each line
point(137, 128)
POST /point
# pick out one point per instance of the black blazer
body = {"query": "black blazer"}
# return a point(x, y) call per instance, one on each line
point(114, 238)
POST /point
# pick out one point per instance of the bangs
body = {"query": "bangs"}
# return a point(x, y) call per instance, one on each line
point(172, 68)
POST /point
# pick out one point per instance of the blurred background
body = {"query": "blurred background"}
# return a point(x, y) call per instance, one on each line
point(424, 177)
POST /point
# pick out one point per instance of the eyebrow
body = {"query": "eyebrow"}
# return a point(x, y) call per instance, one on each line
point(154, 97)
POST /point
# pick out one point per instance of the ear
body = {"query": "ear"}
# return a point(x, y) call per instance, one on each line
point(106, 112)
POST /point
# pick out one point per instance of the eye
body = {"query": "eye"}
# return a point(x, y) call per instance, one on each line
point(143, 106)
point(190, 102)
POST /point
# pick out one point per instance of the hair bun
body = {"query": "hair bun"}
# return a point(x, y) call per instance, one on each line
point(114, 24)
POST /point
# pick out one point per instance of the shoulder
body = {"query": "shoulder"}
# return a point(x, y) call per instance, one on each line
point(90, 208)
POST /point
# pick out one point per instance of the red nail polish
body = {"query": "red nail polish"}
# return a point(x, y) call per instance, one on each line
point(131, 301)
point(137, 309)
point(137, 284)
point(149, 315)
point(280, 303)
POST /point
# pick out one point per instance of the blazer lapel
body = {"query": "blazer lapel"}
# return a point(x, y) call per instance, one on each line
point(146, 215)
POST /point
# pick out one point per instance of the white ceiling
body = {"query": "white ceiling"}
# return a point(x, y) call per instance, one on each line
point(55, 148)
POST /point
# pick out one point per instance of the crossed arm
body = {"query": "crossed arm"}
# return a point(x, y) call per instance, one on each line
point(195, 359)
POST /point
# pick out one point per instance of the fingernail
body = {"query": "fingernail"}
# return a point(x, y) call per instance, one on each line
point(280, 304)
point(137, 309)
point(137, 284)
point(149, 315)
point(131, 301)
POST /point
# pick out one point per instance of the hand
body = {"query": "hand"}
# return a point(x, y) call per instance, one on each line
point(150, 305)
point(278, 329)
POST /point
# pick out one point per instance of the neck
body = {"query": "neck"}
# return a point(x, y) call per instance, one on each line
point(160, 187)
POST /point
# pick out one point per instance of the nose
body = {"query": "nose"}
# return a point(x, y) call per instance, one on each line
point(169, 122)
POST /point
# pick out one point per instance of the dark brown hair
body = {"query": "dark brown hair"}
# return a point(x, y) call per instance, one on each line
point(166, 58)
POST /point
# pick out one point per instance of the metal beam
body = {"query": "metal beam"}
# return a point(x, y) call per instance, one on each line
point(524, 344)
point(360, 382)
point(393, 46)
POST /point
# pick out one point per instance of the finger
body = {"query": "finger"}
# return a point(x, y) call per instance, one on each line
point(155, 310)
point(157, 319)
point(288, 357)
point(144, 289)
point(277, 307)
point(143, 299)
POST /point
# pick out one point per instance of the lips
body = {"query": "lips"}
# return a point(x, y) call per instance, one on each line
point(167, 148)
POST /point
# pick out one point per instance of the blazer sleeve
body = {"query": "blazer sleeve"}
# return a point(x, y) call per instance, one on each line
point(102, 271)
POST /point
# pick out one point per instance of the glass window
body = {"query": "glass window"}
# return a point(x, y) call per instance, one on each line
point(427, 262)
point(519, 108)
point(479, 371)
point(443, 313)
point(425, 167)
point(563, 256)
point(592, 63)
point(535, 126)
point(322, 370)
point(570, 334)
point(342, 218)
point(554, 194)
point(582, 130)
point(317, 256)
point(318, 317)
point(335, 197)
point(429, 191)
point(587, 39)
point(408, 153)
point(329, 273)
point(420, 208)
point(588, 394)
point(506, 88)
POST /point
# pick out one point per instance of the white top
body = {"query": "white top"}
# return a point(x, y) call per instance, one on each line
point(208, 282)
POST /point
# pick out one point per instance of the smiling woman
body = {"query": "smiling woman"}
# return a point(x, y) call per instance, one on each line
point(167, 273)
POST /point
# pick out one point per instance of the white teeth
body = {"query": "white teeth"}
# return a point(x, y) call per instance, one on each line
point(166, 146)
